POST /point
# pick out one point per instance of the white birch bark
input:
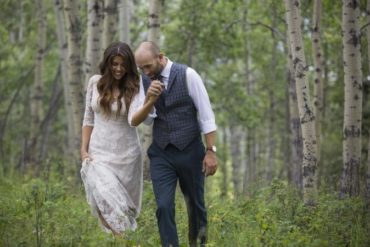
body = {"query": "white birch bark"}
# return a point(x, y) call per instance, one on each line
point(22, 22)
point(224, 162)
point(271, 129)
point(74, 67)
point(63, 55)
point(296, 151)
point(254, 149)
point(248, 88)
point(154, 21)
point(235, 151)
point(37, 87)
point(124, 13)
point(307, 118)
point(153, 35)
point(109, 23)
point(350, 184)
point(93, 46)
point(319, 68)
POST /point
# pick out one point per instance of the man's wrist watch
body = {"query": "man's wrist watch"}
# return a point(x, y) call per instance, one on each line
point(212, 148)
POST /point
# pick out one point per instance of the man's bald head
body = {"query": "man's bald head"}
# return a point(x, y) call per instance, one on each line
point(147, 48)
point(150, 59)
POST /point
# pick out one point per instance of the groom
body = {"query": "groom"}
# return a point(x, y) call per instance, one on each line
point(182, 112)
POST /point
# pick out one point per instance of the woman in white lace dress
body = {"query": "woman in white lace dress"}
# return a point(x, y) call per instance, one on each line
point(111, 152)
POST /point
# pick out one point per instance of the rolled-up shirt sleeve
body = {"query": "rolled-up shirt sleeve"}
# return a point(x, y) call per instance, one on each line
point(198, 93)
point(89, 113)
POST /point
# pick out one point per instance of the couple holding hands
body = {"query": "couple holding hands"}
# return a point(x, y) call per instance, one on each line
point(173, 97)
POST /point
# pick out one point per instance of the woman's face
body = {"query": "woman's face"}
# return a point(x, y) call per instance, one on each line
point(118, 69)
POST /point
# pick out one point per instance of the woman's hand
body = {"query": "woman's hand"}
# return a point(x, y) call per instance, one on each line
point(151, 99)
point(85, 155)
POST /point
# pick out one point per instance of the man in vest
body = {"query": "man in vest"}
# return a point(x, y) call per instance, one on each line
point(182, 112)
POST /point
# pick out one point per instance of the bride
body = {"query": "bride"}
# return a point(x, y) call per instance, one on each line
point(110, 148)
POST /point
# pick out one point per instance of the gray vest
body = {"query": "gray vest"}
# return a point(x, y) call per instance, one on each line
point(176, 120)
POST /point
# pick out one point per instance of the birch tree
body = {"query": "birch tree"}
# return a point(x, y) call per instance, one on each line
point(154, 22)
point(272, 118)
point(295, 173)
point(63, 55)
point(94, 27)
point(124, 13)
point(37, 87)
point(350, 184)
point(224, 162)
point(319, 68)
point(109, 23)
point(74, 66)
point(153, 35)
point(235, 146)
point(22, 21)
point(306, 114)
point(248, 89)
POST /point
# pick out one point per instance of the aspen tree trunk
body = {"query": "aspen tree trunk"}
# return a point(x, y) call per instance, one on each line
point(350, 184)
point(74, 67)
point(63, 55)
point(250, 173)
point(319, 67)
point(248, 88)
point(285, 140)
point(54, 104)
point(93, 48)
point(272, 120)
point(236, 158)
point(22, 22)
point(224, 162)
point(307, 117)
point(109, 23)
point(246, 164)
point(368, 62)
point(153, 35)
point(37, 87)
point(124, 8)
point(254, 150)
point(190, 49)
point(154, 21)
point(296, 150)
point(190, 44)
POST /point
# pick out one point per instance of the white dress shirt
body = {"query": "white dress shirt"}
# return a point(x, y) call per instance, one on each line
point(199, 95)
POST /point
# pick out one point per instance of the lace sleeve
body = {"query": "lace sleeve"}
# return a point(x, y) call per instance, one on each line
point(137, 102)
point(89, 113)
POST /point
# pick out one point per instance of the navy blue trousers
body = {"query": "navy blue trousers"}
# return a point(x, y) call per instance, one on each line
point(167, 167)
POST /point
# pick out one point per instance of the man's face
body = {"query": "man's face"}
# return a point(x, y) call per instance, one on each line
point(150, 65)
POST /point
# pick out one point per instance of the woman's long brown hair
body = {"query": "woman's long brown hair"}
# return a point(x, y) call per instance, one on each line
point(128, 85)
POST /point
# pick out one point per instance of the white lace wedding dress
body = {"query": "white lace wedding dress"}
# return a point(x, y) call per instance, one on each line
point(113, 177)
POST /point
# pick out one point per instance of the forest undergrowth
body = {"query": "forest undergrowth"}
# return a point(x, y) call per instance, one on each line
point(52, 211)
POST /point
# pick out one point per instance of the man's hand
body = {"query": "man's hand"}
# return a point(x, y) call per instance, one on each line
point(155, 88)
point(210, 163)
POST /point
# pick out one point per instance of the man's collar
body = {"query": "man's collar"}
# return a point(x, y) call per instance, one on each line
point(167, 69)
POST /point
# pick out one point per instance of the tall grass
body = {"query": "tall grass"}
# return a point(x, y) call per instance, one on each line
point(54, 212)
